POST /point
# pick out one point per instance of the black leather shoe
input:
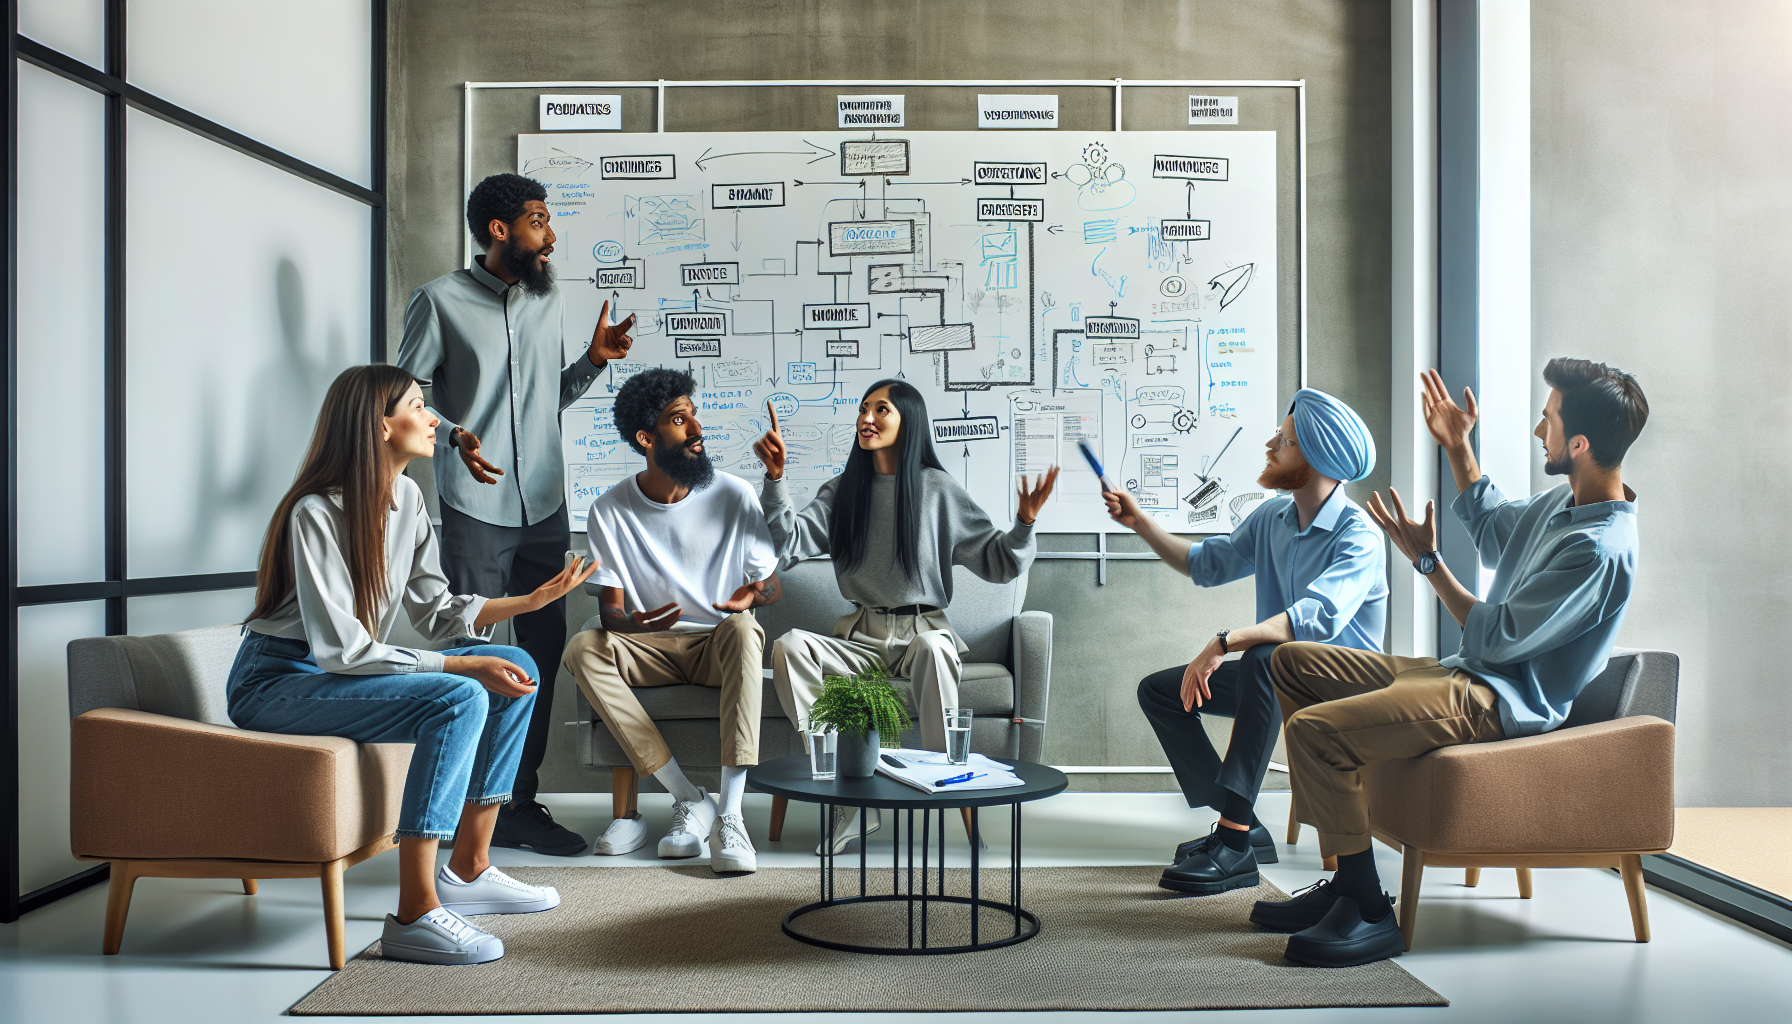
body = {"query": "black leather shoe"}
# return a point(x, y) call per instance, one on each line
point(1212, 867)
point(532, 826)
point(1304, 910)
point(1262, 843)
point(1343, 939)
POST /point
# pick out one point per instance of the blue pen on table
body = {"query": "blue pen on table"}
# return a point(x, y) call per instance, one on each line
point(968, 776)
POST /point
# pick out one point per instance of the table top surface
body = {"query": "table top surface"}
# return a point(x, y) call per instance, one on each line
point(789, 777)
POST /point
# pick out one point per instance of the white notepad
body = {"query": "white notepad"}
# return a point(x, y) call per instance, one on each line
point(922, 769)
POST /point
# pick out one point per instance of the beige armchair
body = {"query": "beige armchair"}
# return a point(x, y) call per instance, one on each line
point(163, 786)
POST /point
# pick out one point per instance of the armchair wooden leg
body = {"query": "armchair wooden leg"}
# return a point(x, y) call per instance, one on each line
point(780, 804)
point(1471, 877)
point(249, 887)
point(1524, 883)
point(331, 874)
point(1293, 826)
point(118, 905)
point(625, 791)
point(966, 811)
point(1631, 866)
point(1412, 873)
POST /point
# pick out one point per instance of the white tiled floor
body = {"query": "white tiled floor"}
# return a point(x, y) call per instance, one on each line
point(199, 951)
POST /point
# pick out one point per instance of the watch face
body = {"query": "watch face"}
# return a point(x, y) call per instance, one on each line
point(1427, 565)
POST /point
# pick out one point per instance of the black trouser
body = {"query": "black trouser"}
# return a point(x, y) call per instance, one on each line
point(511, 561)
point(1243, 692)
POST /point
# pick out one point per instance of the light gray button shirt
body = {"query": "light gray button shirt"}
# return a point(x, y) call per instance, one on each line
point(496, 362)
point(321, 609)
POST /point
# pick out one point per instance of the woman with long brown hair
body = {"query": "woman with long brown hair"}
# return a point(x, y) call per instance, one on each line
point(349, 547)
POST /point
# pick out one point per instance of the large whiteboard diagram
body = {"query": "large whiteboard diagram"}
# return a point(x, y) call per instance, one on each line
point(1039, 288)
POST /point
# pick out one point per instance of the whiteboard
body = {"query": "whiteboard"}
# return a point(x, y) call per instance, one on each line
point(1037, 287)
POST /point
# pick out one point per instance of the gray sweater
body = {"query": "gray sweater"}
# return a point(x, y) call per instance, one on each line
point(954, 531)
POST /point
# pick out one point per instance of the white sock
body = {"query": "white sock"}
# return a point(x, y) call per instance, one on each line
point(672, 777)
point(734, 787)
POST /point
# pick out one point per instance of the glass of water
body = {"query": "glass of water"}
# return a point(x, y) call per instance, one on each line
point(958, 735)
point(824, 743)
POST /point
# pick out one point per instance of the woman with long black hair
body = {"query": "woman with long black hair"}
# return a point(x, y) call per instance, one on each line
point(895, 523)
point(349, 547)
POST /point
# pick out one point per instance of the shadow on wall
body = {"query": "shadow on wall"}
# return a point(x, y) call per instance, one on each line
point(278, 402)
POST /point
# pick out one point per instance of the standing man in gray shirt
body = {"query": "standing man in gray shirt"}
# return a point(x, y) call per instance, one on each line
point(490, 341)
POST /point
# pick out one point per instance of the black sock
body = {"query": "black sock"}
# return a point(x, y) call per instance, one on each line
point(1237, 809)
point(1236, 839)
point(1358, 879)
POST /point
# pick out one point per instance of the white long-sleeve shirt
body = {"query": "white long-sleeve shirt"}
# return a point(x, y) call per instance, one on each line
point(321, 610)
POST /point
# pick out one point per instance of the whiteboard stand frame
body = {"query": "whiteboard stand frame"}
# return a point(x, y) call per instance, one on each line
point(1101, 555)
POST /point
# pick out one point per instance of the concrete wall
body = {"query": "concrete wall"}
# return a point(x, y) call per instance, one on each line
point(1662, 242)
point(1107, 637)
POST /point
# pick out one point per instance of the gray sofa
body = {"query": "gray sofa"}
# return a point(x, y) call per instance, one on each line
point(1007, 675)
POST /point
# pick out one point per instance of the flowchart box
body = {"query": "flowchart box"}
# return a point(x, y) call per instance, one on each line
point(874, 156)
point(942, 338)
point(871, 237)
point(693, 274)
point(712, 324)
point(1010, 209)
point(1185, 230)
point(837, 316)
point(752, 196)
point(619, 277)
point(697, 348)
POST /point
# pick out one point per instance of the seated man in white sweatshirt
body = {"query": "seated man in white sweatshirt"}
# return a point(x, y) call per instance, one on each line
point(684, 557)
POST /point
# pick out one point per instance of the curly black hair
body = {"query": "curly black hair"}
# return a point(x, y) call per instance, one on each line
point(500, 197)
point(644, 396)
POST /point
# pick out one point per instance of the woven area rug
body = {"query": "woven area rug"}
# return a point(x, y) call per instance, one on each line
point(632, 940)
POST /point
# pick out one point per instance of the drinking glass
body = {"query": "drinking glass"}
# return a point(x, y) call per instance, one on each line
point(824, 743)
point(958, 735)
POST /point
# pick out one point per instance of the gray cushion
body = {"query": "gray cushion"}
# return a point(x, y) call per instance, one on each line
point(182, 675)
point(1633, 683)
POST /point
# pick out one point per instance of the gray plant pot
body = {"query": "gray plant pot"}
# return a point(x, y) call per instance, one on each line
point(857, 754)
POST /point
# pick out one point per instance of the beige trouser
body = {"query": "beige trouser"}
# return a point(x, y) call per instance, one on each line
point(921, 653)
point(610, 666)
point(1358, 707)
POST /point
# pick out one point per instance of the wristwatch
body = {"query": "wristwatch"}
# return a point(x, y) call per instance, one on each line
point(453, 435)
point(1222, 635)
point(1428, 563)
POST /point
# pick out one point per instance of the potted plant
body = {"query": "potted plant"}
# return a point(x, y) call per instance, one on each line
point(863, 709)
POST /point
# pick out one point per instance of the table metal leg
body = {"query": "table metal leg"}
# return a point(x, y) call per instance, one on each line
point(911, 878)
point(1014, 862)
point(926, 825)
point(975, 887)
point(862, 851)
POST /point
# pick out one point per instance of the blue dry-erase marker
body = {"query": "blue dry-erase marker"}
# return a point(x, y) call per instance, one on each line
point(1095, 464)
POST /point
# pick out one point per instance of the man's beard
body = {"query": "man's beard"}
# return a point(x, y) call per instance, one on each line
point(686, 468)
point(1552, 467)
point(525, 265)
point(1290, 479)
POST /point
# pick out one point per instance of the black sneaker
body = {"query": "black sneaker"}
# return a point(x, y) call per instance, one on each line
point(1262, 844)
point(1212, 867)
point(1343, 939)
point(531, 826)
point(1303, 910)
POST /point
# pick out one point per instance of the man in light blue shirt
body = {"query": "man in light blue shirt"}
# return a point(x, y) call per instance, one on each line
point(1564, 563)
point(1320, 577)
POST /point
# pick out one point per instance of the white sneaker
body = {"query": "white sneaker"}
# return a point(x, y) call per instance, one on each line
point(439, 937)
point(729, 848)
point(689, 834)
point(846, 827)
point(625, 835)
point(493, 892)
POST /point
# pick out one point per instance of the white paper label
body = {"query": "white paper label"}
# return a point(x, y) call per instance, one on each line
point(1213, 110)
point(870, 111)
point(584, 113)
point(1017, 111)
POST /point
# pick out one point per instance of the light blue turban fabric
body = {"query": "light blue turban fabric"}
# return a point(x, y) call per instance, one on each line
point(1333, 438)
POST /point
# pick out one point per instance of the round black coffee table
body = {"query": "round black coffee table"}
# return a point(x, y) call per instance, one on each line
point(789, 777)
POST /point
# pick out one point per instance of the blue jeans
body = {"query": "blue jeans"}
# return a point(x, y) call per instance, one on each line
point(468, 739)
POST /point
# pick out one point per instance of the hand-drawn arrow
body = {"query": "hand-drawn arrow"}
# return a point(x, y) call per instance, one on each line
point(1191, 200)
point(821, 153)
point(737, 229)
point(961, 181)
point(1232, 283)
point(1054, 229)
point(860, 183)
point(694, 304)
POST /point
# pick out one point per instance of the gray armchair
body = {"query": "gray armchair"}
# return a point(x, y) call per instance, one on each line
point(1007, 675)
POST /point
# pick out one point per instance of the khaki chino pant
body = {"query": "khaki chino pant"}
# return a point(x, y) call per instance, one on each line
point(610, 666)
point(1352, 708)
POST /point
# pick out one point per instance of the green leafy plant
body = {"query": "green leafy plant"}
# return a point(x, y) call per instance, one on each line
point(855, 704)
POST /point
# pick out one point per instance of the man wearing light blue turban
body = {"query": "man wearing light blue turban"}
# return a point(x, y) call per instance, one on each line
point(1320, 575)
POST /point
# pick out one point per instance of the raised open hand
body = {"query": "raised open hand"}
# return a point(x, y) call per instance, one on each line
point(571, 576)
point(610, 341)
point(1448, 422)
point(770, 448)
point(1412, 539)
point(467, 444)
point(1029, 500)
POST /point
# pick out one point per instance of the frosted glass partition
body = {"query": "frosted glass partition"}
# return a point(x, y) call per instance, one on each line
point(44, 633)
point(293, 75)
point(248, 292)
point(74, 27)
point(61, 330)
point(171, 613)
